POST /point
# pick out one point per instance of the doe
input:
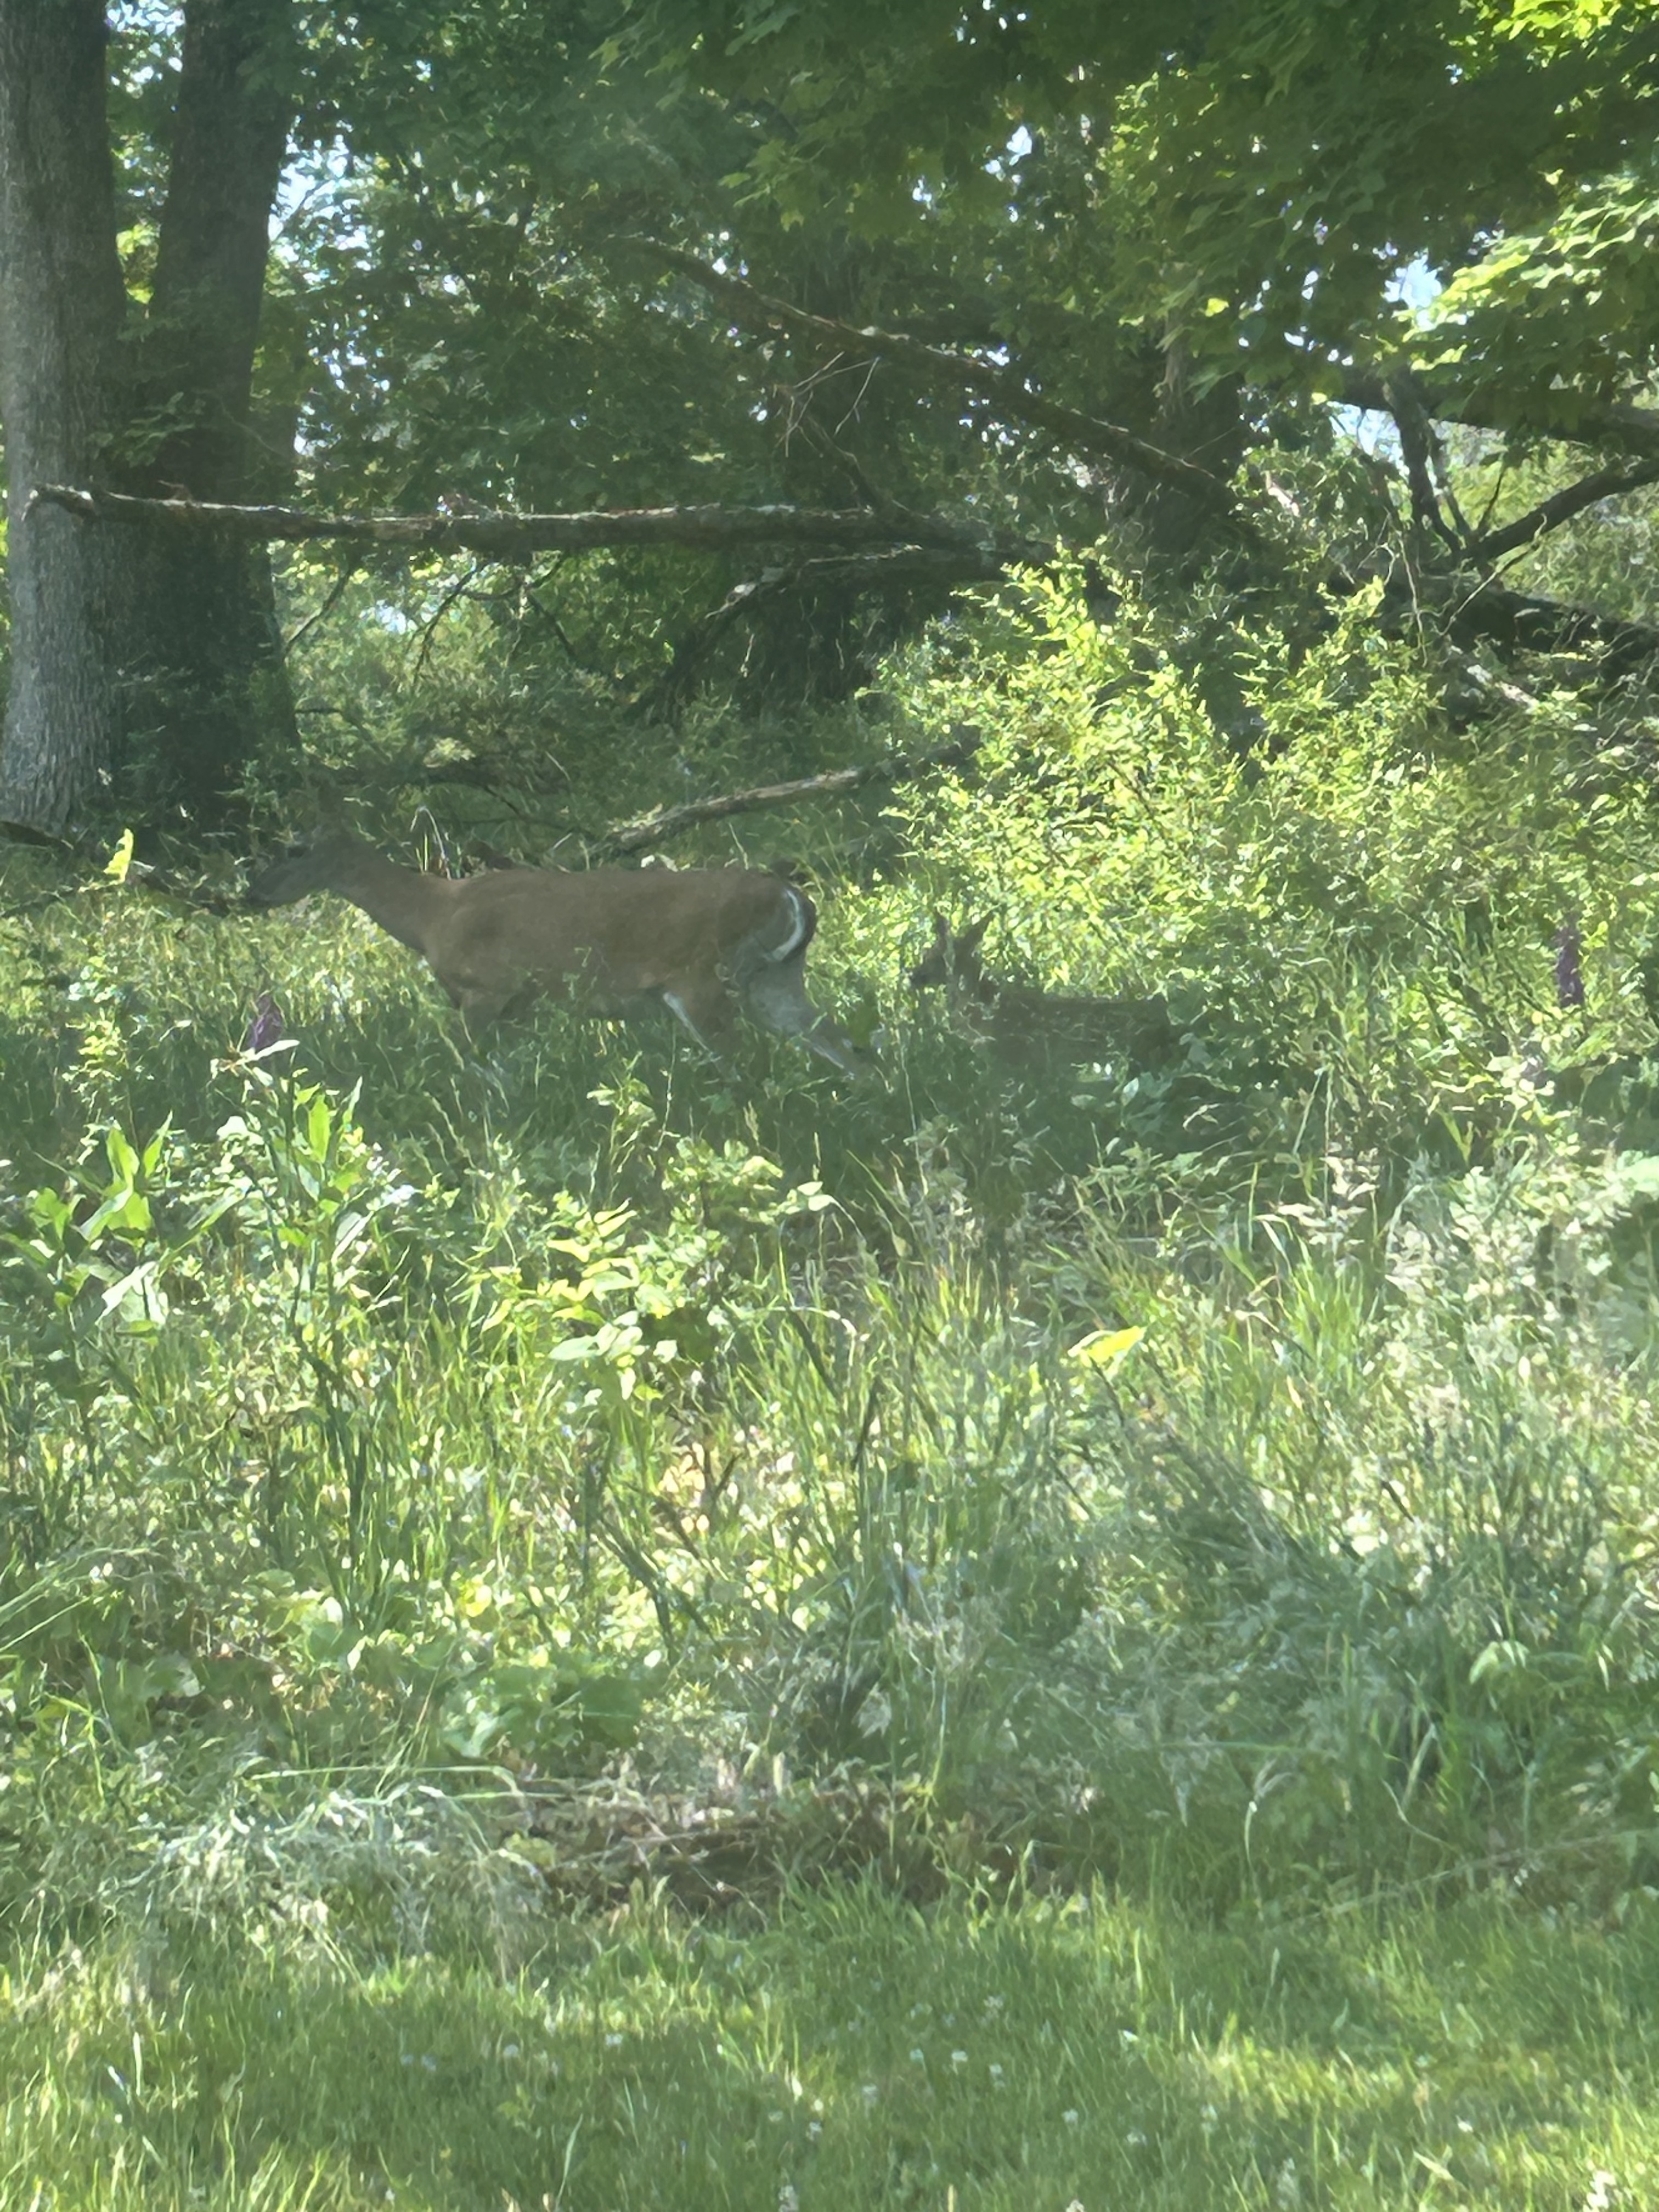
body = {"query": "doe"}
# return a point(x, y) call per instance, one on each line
point(699, 941)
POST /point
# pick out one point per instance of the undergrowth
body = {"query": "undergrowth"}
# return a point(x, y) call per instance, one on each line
point(438, 1486)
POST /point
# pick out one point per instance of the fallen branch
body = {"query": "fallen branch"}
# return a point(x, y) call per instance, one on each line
point(512, 536)
point(1006, 388)
point(896, 767)
point(1476, 607)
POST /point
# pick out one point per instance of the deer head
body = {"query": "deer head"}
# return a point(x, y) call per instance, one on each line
point(952, 962)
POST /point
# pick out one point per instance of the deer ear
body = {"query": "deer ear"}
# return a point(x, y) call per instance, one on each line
point(970, 938)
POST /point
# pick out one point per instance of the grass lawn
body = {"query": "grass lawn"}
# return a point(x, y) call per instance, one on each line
point(852, 2051)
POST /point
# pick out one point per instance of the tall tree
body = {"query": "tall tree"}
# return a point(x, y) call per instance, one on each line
point(206, 682)
point(61, 309)
point(154, 668)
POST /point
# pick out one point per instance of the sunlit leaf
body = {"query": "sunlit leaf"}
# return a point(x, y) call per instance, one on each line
point(1103, 1345)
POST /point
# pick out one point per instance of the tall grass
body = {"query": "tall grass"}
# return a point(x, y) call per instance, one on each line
point(431, 1477)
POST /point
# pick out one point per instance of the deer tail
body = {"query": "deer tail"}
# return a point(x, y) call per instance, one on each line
point(803, 924)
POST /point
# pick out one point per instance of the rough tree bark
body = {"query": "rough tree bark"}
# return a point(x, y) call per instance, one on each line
point(149, 671)
point(213, 686)
point(61, 308)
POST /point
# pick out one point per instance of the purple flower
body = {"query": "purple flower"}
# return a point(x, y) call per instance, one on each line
point(266, 1027)
point(1569, 976)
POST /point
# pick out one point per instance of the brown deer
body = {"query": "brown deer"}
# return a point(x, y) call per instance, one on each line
point(616, 940)
point(1024, 1025)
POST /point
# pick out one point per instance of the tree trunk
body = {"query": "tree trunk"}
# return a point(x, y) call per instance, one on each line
point(214, 689)
point(61, 310)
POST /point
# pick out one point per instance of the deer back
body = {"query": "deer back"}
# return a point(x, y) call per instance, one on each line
point(626, 932)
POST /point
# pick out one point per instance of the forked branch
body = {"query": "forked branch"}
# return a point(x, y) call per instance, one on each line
point(1006, 387)
point(1561, 506)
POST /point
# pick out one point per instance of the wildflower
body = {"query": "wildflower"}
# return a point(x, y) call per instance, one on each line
point(918, 2057)
point(815, 2128)
point(958, 2058)
point(869, 2092)
point(509, 2051)
point(266, 1028)
point(996, 2077)
point(1071, 2115)
point(787, 2200)
point(613, 2043)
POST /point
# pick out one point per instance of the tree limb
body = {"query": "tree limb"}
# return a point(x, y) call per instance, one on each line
point(896, 767)
point(336, 592)
point(1420, 450)
point(1561, 506)
point(512, 536)
point(1517, 620)
point(1555, 414)
point(1082, 434)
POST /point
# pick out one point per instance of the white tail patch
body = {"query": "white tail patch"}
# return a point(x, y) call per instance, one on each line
point(800, 935)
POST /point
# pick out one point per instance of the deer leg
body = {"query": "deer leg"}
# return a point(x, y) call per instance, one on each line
point(705, 1009)
point(479, 1011)
point(776, 998)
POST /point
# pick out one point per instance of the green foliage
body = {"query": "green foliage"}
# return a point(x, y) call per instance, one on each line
point(437, 1481)
point(1574, 298)
point(1211, 1468)
point(1269, 168)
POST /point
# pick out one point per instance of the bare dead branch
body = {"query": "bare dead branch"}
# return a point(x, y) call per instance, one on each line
point(1520, 621)
point(429, 630)
point(1554, 414)
point(514, 537)
point(336, 592)
point(896, 767)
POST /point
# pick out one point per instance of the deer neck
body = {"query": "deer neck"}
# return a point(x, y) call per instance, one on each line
point(399, 900)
